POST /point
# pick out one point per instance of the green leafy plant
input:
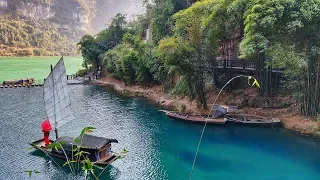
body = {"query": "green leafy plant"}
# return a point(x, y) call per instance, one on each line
point(31, 172)
point(183, 108)
point(79, 157)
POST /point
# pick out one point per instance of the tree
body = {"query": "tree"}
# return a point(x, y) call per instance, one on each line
point(187, 52)
point(92, 48)
point(130, 61)
point(161, 14)
point(294, 26)
point(90, 51)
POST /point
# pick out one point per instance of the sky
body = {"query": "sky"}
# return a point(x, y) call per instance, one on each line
point(129, 7)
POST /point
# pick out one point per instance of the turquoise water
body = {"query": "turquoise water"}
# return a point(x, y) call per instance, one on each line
point(34, 67)
point(159, 147)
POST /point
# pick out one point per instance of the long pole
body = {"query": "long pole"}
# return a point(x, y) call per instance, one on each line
point(54, 106)
point(205, 125)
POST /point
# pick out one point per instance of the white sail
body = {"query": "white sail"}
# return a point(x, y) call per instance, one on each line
point(56, 96)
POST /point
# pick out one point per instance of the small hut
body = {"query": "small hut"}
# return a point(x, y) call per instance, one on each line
point(98, 147)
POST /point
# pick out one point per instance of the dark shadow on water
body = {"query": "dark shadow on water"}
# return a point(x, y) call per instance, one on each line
point(55, 172)
point(37, 153)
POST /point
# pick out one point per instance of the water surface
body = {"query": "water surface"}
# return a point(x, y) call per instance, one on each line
point(159, 148)
point(34, 67)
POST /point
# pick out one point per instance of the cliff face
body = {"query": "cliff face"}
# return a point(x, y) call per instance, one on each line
point(72, 17)
point(32, 23)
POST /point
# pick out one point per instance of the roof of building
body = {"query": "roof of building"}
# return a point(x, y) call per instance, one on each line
point(88, 141)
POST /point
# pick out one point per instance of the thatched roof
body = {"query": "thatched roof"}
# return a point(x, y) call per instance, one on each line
point(88, 141)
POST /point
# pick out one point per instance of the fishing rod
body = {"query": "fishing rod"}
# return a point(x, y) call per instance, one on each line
point(205, 125)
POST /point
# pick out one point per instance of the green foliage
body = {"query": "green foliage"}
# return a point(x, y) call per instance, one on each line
point(31, 172)
point(190, 52)
point(40, 52)
point(92, 48)
point(286, 32)
point(87, 130)
point(80, 157)
point(162, 11)
point(81, 72)
point(27, 34)
point(90, 51)
point(181, 88)
point(286, 57)
point(183, 108)
point(161, 15)
point(175, 53)
point(187, 39)
point(130, 61)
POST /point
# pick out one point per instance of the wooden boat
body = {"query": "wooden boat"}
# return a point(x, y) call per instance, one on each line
point(59, 112)
point(27, 81)
point(251, 119)
point(98, 147)
point(193, 118)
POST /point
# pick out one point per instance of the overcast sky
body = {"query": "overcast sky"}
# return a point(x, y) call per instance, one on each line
point(129, 7)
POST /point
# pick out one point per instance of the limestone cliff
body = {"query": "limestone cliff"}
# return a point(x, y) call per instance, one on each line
point(72, 17)
point(67, 20)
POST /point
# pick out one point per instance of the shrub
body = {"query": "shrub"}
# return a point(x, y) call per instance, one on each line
point(81, 72)
point(21, 45)
point(48, 53)
point(12, 50)
point(181, 88)
point(4, 47)
point(39, 52)
point(183, 108)
point(25, 52)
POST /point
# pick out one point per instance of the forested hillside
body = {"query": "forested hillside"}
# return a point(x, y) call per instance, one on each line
point(188, 38)
point(52, 27)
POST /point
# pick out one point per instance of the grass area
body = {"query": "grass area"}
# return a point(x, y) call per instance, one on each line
point(34, 67)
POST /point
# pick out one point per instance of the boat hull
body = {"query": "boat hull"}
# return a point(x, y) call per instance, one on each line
point(253, 120)
point(193, 118)
point(40, 145)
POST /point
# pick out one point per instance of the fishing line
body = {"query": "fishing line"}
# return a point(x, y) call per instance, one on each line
point(205, 125)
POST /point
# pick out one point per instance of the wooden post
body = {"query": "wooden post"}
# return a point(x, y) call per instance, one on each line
point(55, 129)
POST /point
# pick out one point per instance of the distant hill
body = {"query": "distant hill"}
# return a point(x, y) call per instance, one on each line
point(52, 27)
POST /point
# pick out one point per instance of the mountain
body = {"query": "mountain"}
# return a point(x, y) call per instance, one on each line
point(48, 27)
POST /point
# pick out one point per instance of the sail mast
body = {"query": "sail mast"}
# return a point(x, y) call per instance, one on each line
point(54, 102)
point(56, 97)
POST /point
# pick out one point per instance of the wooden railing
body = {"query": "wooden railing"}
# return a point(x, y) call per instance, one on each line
point(237, 64)
point(241, 65)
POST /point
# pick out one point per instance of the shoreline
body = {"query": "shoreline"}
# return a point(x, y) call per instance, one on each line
point(155, 93)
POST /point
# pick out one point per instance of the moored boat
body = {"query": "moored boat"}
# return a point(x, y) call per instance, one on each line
point(194, 118)
point(249, 119)
point(26, 81)
point(98, 147)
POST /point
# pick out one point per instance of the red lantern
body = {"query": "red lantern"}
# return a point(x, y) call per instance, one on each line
point(46, 128)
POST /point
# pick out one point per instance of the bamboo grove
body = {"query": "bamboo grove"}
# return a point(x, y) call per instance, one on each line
point(187, 37)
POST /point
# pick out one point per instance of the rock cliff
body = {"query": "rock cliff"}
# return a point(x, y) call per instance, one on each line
point(71, 19)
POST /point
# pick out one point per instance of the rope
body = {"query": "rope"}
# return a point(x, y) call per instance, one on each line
point(205, 125)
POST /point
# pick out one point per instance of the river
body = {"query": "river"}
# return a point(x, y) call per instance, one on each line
point(159, 147)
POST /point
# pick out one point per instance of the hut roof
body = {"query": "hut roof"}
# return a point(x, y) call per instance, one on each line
point(89, 141)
